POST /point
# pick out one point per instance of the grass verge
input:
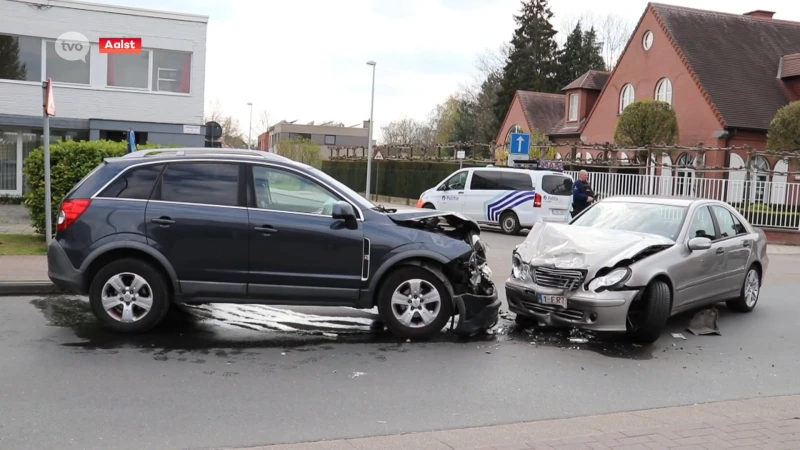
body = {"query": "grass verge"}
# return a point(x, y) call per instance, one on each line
point(22, 244)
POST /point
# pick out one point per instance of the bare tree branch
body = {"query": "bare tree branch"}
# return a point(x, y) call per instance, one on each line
point(613, 32)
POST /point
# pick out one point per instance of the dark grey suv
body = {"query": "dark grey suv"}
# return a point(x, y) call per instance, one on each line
point(157, 227)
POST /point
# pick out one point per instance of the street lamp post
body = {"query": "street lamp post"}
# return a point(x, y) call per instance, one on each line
point(250, 127)
point(371, 124)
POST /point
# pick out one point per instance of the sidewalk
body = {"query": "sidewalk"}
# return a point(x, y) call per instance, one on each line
point(764, 423)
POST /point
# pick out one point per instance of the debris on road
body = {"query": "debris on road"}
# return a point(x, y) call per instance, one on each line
point(578, 340)
point(357, 374)
point(705, 323)
point(678, 336)
point(330, 335)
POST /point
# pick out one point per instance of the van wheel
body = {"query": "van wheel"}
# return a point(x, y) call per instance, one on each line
point(129, 295)
point(509, 223)
point(414, 303)
point(428, 206)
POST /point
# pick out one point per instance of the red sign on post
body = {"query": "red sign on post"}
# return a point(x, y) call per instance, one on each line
point(50, 101)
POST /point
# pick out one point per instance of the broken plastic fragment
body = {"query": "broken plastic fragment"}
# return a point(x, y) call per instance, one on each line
point(678, 336)
point(704, 323)
point(330, 335)
point(578, 340)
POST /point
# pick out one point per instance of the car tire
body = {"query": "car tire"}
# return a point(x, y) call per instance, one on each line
point(417, 325)
point(428, 206)
point(653, 315)
point(748, 296)
point(509, 223)
point(130, 314)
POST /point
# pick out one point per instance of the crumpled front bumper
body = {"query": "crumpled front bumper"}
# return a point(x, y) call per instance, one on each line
point(476, 312)
point(596, 311)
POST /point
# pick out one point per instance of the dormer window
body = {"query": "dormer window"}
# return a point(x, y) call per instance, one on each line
point(574, 100)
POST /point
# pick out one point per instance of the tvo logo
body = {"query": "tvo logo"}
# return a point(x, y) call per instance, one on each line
point(72, 46)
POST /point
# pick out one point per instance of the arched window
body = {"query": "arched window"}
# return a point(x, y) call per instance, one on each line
point(664, 91)
point(623, 158)
point(558, 155)
point(685, 160)
point(578, 157)
point(684, 172)
point(760, 169)
point(588, 158)
point(626, 97)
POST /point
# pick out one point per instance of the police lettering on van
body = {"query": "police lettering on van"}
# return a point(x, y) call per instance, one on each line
point(512, 198)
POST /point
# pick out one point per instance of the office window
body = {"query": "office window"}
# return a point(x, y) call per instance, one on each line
point(129, 71)
point(172, 71)
point(20, 58)
point(330, 140)
point(573, 107)
point(61, 70)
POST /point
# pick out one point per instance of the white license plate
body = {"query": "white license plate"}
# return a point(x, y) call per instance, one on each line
point(558, 300)
point(558, 211)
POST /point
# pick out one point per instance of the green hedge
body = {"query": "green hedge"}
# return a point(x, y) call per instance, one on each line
point(70, 161)
point(406, 179)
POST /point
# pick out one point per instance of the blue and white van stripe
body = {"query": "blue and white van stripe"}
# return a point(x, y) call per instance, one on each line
point(507, 200)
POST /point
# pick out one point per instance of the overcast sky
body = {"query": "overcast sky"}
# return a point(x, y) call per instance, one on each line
point(306, 59)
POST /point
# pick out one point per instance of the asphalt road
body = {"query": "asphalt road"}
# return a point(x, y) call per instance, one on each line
point(240, 376)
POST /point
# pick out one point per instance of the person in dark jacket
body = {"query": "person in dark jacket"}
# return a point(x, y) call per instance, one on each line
point(582, 193)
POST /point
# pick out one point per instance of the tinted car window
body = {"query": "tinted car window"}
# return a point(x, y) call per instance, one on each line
point(281, 190)
point(662, 220)
point(137, 183)
point(728, 224)
point(557, 185)
point(487, 180)
point(206, 183)
point(702, 225)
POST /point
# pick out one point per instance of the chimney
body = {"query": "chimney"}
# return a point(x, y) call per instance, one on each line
point(366, 124)
point(760, 14)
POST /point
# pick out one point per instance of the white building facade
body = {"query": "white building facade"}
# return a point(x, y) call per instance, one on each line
point(157, 93)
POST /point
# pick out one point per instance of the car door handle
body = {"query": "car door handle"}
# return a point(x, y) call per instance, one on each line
point(720, 250)
point(266, 229)
point(746, 243)
point(163, 221)
point(460, 192)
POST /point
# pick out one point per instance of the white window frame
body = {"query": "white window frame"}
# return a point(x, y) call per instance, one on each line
point(645, 45)
point(574, 102)
point(149, 87)
point(626, 97)
point(66, 83)
point(664, 90)
point(325, 139)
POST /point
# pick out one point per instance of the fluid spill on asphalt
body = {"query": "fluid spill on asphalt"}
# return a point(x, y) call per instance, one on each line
point(230, 330)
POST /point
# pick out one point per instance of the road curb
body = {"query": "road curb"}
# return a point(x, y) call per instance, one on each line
point(14, 288)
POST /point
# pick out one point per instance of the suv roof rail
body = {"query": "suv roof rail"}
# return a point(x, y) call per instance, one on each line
point(198, 150)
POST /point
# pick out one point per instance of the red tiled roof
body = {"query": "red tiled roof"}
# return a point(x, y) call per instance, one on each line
point(736, 59)
point(593, 79)
point(542, 111)
point(790, 66)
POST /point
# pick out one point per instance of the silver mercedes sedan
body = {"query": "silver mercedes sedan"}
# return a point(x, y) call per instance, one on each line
point(627, 264)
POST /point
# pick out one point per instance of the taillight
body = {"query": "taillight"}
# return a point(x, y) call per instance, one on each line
point(537, 201)
point(70, 211)
point(420, 203)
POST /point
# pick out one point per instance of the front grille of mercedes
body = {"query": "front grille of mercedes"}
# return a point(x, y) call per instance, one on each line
point(568, 279)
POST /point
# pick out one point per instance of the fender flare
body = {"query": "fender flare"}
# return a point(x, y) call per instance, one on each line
point(133, 245)
point(399, 258)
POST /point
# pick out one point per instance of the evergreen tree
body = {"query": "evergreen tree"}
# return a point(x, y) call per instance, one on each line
point(10, 66)
point(532, 63)
point(592, 51)
point(581, 54)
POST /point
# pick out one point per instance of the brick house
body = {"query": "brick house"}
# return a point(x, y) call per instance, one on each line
point(531, 112)
point(726, 75)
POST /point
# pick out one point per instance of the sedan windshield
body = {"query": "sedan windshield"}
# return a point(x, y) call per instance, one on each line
point(662, 220)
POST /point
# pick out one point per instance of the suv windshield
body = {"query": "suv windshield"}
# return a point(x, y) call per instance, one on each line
point(362, 202)
point(662, 220)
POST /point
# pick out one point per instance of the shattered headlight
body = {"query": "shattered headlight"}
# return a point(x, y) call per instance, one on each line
point(612, 279)
point(519, 269)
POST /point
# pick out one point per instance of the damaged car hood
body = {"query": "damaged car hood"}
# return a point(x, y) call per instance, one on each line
point(573, 247)
point(417, 215)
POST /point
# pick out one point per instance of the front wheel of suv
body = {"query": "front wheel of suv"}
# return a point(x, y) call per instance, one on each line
point(129, 295)
point(414, 303)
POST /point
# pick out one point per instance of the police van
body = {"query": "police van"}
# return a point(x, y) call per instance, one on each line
point(513, 198)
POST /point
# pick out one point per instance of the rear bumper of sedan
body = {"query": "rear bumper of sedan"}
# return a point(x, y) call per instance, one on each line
point(603, 311)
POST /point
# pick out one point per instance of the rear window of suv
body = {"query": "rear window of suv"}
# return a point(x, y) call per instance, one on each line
point(136, 183)
point(557, 185)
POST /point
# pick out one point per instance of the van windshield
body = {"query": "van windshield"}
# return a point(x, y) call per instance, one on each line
point(557, 185)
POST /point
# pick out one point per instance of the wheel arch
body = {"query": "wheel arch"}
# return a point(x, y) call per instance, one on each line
point(118, 250)
point(663, 277)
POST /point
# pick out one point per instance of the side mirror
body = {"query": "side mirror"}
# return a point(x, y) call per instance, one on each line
point(343, 210)
point(699, 243)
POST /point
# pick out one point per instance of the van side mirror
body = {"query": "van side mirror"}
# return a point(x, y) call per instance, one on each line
point(343, 211)
point(699, 243)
